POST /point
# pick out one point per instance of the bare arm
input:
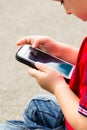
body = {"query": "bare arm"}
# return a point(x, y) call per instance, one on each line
point(69, 103)
point(68, 53)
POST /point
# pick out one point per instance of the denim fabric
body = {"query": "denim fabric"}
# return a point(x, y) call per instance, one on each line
point(42, 113)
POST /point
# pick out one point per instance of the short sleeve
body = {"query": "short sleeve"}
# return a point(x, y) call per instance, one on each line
point(83, 86)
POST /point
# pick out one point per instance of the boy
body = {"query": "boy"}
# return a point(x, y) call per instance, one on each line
point(71, 97)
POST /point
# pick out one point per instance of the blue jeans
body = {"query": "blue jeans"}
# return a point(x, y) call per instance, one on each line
point(42, 113)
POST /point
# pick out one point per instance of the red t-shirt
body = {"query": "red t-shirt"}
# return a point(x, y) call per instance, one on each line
point(78, 82)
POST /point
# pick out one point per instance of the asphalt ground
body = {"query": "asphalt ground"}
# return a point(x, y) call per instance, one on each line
point(20, 18)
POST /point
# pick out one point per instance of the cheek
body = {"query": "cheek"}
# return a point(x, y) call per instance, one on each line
point(80, 14)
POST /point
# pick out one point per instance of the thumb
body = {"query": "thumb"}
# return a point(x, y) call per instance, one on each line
point(33, 72)
point(40, 66)
point(36, 43)
point(41, 69)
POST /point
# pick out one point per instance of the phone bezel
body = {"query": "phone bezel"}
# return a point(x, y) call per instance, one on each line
point(31, 63)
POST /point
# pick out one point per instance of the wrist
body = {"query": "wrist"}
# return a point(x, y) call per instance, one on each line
point(58, 52)
point(60, 87)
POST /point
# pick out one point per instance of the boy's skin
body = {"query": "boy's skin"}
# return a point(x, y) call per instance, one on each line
point(50, 79)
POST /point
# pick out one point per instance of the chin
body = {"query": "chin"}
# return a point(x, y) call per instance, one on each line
point(84, 20)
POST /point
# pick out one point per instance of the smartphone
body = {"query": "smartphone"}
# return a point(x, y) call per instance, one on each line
point(28, 55)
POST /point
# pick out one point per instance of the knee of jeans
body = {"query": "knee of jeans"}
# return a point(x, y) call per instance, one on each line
point(41, 101)
point(45, 108)
point(43, 98)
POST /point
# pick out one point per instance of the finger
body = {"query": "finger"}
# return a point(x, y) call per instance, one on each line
point(44, 68)
point(33, 40)
point(40, 66)
point(34, 73)
point(38, 41)
point(24, 40)
point(41, 69)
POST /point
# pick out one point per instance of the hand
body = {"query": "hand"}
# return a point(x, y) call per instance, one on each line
point(43, 42)
point(47, 77)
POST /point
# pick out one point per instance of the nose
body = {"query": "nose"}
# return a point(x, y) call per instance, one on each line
point(68, 12)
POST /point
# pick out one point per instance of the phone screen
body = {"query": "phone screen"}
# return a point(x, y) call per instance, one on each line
point(33, 55)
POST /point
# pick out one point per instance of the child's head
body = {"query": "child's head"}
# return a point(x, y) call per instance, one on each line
point(76, 7)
